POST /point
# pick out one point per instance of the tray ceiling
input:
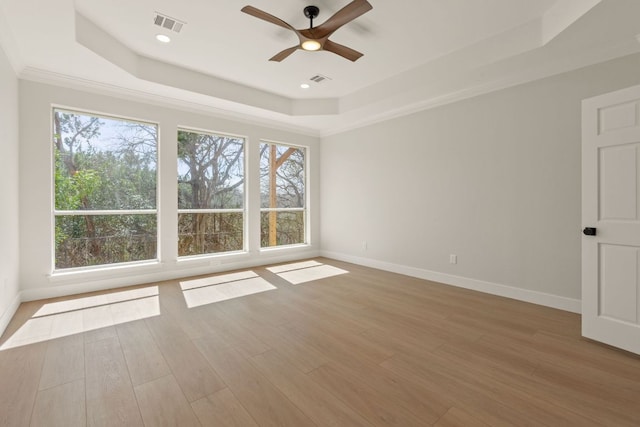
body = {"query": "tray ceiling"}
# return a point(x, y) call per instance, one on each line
point(417, 53)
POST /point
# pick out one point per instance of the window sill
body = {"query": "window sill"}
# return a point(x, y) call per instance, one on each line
point(284, 248)
point(210, 259)
point(103, 272)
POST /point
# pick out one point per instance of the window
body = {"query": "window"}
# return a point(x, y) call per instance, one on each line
point(105, 190)
point(210, 193)
point(282, 194)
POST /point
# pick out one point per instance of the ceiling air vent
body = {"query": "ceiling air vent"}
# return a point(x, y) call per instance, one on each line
point(167, 22)
point(319, 78)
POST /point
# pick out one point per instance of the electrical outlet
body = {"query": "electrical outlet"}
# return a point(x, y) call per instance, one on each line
point(453, 259)
point(364, 245)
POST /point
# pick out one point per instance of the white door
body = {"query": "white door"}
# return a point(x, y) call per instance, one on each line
point(611, 205)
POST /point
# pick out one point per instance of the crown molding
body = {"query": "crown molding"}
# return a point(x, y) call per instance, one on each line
point(524, 70)
point(49, 77)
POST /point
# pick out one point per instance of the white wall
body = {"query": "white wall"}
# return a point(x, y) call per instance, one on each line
point(494, 179)
point(36, 102)
point(9, 242)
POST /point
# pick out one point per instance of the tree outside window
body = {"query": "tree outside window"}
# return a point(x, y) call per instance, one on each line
point(282, 194)
point(210, 193)
point(105, 182)
point(105, 190)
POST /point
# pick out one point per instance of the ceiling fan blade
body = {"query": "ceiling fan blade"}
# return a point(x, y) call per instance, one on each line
point(250, 10)
point(345, 52)
point(341, 17)
point(282, 55)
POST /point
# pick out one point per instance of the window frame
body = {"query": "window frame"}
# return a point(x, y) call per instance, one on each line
point(245, 197)
point(97, 212)
point(307, 199)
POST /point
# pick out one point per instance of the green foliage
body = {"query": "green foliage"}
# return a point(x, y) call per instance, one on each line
point(109, 164)
point(120, 238)
point(87, 182)
point(103, 164)
point(66, 194)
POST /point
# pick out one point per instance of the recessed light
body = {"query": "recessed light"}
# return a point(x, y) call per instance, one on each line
point(163, 38)
point(304, 86)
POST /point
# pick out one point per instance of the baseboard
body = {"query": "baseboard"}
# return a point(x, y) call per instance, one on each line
point(9, 313)
point(526, 295)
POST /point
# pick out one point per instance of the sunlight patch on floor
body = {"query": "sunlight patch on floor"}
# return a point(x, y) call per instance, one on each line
point(64, 320)
point(222, 288)
point(216, 280)
point(96, 300)
point(295, 277)
point(306, 271)
point(294, 266)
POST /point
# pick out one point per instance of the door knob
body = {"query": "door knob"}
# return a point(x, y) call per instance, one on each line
point(589, 231)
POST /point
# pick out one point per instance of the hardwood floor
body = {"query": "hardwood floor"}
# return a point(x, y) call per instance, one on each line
point(359, 347)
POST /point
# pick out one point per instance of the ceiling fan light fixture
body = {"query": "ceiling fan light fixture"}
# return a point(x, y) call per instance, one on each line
point(311, 45)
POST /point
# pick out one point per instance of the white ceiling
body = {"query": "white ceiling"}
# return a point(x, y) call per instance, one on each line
point(417, 53)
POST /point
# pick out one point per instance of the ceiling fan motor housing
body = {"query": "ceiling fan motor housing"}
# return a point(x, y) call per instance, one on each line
point(311, 12)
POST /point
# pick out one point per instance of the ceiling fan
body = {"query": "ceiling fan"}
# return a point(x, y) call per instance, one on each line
point(317, 38)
